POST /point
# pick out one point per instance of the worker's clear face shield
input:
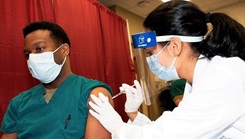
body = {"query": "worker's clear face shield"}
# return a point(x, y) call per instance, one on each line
point(151, 84)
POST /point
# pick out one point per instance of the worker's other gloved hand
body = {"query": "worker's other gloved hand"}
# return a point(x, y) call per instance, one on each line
point(134, 96)
point(105, 113)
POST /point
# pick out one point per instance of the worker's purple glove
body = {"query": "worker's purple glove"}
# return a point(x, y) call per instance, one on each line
point(105, 113)
point(134, 96)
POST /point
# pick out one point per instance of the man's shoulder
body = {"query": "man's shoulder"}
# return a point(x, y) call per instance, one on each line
point(29, 92)
point(89, 83)
point(86, 80)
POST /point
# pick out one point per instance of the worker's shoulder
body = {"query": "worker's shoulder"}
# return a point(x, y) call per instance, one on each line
point(230, 62)
point(231, 66)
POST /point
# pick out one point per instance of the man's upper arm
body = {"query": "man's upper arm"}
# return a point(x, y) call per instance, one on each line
point(9, 136)
point(103, 90)
point(94, 130)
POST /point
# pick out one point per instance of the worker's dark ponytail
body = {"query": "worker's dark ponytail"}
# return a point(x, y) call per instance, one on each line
point(178, 17)
point(227, 37)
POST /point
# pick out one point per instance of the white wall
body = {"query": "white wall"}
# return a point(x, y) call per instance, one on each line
point(236, 11)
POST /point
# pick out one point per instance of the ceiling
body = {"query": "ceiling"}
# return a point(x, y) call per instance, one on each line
point(143, 7)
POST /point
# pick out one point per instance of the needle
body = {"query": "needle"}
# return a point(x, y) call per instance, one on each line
point(115, 96)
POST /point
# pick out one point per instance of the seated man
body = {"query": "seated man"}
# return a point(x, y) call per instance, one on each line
point(57, 108)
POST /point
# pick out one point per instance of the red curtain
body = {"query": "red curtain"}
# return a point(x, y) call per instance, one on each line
point(100, 47)
point(14, 75)
point(119, 67)
point(99, 44)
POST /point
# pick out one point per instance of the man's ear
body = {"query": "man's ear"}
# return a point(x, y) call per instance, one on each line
point(66, 49)
point(175, 46)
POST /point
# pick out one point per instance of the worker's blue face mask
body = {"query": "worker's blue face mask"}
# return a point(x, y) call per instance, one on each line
point(43, 67)
point(164, 73)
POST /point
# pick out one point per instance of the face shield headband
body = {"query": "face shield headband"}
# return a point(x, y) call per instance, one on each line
point(149, 39)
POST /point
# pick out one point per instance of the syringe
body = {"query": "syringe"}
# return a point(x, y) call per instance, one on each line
point(122, 92)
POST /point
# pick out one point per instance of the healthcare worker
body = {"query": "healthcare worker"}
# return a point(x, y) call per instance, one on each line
point(213, 106)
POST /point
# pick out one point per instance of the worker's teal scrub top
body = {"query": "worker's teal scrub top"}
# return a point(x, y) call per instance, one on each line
point(64, 117)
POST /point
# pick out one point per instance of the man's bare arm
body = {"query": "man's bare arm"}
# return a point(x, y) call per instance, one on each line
point(9, 136)
point(94, 130)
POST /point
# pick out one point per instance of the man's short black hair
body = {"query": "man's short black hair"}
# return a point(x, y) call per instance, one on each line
point(56, 32)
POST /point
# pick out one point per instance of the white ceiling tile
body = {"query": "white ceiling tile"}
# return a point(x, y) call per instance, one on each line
point(131, 5)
